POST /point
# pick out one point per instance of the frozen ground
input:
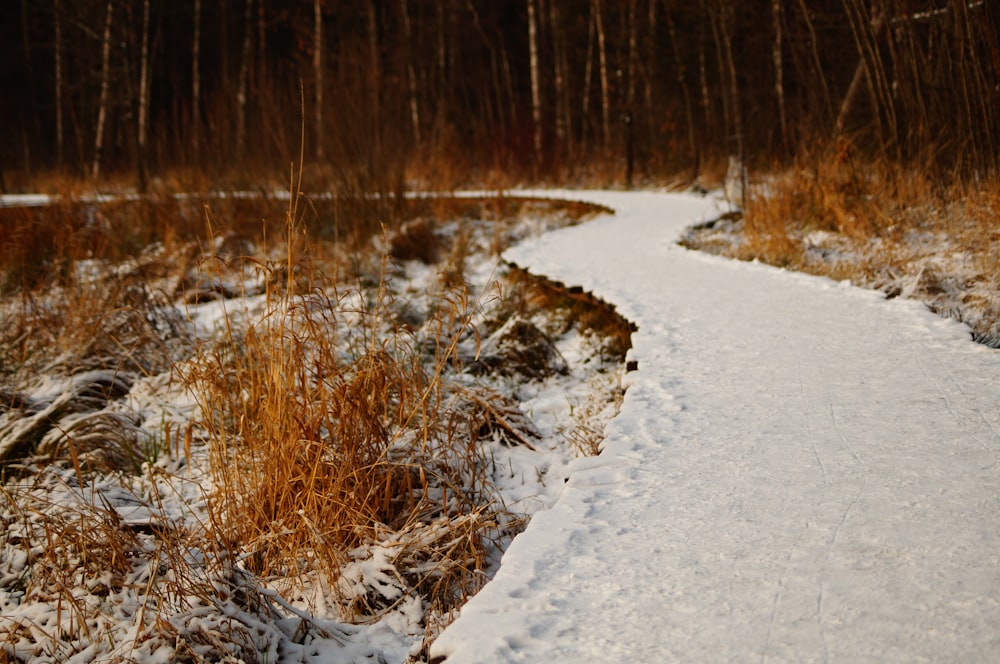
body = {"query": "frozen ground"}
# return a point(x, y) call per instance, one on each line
point(801, 471)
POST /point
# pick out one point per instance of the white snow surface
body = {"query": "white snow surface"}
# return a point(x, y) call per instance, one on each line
point(801, 471)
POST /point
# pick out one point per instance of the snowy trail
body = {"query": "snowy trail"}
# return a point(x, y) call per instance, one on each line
point(801, 471)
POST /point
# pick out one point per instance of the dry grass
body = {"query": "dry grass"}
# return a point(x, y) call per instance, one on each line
point(898, 230)
point(326, 430)
point(339, 454)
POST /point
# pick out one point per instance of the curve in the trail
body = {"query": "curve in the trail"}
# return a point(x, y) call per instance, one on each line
point(801, 471)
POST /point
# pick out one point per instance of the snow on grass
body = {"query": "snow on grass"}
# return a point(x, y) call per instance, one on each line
point(100, 560)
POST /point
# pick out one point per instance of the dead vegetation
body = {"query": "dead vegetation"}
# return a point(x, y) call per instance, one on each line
point(309, 456)
point(901, 231)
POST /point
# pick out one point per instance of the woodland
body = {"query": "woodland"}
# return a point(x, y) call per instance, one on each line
point(448, 92)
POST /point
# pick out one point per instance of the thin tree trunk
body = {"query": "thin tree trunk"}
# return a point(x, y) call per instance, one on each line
point(499, 92)
point(60, 143)
point(102, 111)
point(196, 82)
point(559, 72)
point(143, 98)
point(862, 73)
point(536, 100)
point(688, 101)
point(705, 92)
point(727, 21)
point(779, 73)
point(715, 19)
point(650, 68)
point(318, 75)
point(817, 64)
point(242, 84)
point(375, 76)
point(633, 56)
point(587, 76)
point(29, 62)
point(411, 73)
point(602, 58)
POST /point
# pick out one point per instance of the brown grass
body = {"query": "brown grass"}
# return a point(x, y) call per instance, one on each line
point(326, 430)
point(902, 231)
point(329, 429)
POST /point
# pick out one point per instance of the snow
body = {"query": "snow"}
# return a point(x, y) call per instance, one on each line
point(801, 471)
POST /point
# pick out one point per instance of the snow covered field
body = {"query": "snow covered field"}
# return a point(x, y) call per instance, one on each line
point(801, 471)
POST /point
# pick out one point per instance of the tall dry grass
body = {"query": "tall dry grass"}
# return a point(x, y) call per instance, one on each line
point(327, 429)
point(908, 231)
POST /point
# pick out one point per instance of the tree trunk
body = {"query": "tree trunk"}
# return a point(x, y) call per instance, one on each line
point(102, 111)
point(559, 70)
point(318, 75)
point(241, 90)
point(60, 143)
point(375, 77)
point(779, 73)
point(727, 21)
point(688, 101)
point(536, 99)
point(411, 73)
point(602, 57)
point(827, 104)
point(587, 76)
point(629, 117)
point(196, 82)
point(862, 74)
point(143, 113)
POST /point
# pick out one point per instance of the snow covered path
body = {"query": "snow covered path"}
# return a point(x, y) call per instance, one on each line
point(801, 471)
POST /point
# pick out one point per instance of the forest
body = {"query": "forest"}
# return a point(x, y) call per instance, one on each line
point(378, 93)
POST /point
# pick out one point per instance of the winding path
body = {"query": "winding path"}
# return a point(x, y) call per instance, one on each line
point(801, 472)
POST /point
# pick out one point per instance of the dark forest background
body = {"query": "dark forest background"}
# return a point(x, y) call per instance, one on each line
point(383, 90)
